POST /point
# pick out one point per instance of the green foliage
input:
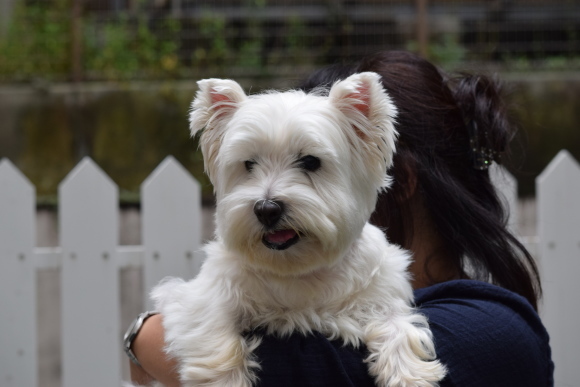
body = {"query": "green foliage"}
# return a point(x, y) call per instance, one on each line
point(295, 36)
point(249, 54)
point(448, 51)
point(37, 42)
point(112, 54)
point(522, 64)
point(444, 50)
point(126, 49)
point(293, 51)
point(213, 50)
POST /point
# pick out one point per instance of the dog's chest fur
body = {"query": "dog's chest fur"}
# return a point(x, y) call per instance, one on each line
point(336, 301)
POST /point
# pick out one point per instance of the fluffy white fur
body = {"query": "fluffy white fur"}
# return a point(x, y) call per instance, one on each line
point(341, 278)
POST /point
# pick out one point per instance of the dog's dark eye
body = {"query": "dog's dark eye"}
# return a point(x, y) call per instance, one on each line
point(249, 164)
point(309, 163)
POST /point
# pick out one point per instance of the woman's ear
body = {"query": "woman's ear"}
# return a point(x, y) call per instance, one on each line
point(408, 180)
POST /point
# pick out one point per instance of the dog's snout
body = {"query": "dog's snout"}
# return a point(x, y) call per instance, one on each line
point(268, 212)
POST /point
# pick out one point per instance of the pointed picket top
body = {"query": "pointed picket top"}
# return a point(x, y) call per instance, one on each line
point(17, 195)
point(13, 181)
point(18, 339)
point(6, 167)
point(89, 235)
point(86, 190)
point(558, 191)
point(171, 221)
point(169, 167)
point(564, 161)
point(507, 187)
point(87, 170)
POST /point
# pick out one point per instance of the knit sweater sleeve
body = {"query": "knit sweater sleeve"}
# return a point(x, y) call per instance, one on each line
point(486, 335)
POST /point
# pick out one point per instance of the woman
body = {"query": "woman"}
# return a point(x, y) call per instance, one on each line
point(475, 282)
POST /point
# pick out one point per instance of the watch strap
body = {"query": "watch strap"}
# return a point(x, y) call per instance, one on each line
point(132, 332)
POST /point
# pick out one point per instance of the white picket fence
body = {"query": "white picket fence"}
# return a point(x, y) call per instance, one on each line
point(90, 259)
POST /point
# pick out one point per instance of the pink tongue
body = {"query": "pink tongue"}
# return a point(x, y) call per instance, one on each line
point(281, 236)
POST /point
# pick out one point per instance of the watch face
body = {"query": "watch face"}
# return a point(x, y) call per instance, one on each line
point(131, 329)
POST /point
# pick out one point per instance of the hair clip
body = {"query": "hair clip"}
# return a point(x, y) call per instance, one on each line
point(482, 156)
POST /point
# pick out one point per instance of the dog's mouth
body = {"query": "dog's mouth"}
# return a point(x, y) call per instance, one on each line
point(280, 239)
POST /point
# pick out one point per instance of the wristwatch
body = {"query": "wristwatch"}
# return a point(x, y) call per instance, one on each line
point(132, 333)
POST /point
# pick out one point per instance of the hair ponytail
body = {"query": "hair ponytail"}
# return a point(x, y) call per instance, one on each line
point(450, 131)
point(502, 259)
point(484, 112)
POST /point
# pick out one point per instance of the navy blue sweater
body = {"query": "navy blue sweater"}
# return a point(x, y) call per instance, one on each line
point(486, 336)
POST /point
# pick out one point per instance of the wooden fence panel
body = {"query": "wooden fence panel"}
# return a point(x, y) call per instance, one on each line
point(88, 217)
point(558, 191)
point(171, 221)
point(507, 188)
point(18, 339)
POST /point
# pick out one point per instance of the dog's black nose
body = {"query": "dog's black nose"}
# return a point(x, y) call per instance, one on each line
point(268, 212)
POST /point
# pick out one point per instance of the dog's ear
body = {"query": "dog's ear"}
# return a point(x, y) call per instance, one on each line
point(371, 113)
point(215, 101)
point(214, 104)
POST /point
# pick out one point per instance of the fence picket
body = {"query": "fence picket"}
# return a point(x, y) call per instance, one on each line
point(88, 216)
point(507, 188)
point(171, 221)
point(558, 190)
point(18, 339)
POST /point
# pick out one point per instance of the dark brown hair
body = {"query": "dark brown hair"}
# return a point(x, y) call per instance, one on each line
point(439, 120)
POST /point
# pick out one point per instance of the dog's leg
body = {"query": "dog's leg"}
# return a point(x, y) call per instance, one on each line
point(202, 333)
point(402, 353)
point(229, 363)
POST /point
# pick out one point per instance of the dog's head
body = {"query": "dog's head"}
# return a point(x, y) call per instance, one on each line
point(296, 175)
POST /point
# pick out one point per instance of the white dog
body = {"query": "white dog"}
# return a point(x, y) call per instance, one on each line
point(296, 178)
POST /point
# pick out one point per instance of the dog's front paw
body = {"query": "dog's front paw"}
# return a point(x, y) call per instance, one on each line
point(402, 353)
point(408, 373)
point(230, 364)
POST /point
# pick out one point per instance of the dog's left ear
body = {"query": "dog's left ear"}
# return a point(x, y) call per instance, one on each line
point(215, 103)
point(371, 113)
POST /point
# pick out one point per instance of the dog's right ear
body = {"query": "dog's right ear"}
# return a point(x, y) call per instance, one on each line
point(214, 105)
point(215, 102)
point(371, 113)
